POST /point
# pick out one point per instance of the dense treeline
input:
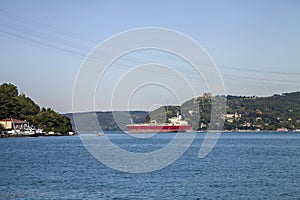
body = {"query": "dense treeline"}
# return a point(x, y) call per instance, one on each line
point(15, 105)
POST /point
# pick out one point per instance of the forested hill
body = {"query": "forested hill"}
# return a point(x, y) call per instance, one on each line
point(19, 106)
point(243, 113)
point(267, 113)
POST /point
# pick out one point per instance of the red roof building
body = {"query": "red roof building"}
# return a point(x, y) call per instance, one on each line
point(8, 123)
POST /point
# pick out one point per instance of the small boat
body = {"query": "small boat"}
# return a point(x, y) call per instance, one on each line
point(100, 134)
point(29, 131)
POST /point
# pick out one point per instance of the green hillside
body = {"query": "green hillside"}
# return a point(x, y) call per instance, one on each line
point(243, 113)
point(15, 105)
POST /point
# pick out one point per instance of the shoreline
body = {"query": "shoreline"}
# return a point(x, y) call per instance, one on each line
point(211, 131)
point(5, 135)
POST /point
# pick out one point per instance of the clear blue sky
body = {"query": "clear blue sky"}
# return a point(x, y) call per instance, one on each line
point(255, 44)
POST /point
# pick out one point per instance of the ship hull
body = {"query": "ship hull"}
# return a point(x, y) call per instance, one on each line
point(157, 128)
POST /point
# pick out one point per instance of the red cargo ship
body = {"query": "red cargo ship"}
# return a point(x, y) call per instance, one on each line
point(176, 124)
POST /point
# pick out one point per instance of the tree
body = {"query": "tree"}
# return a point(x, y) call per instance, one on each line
point(50, 120)
point(8, 101)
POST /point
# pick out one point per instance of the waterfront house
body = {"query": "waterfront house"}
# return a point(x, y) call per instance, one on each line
point(9, 123)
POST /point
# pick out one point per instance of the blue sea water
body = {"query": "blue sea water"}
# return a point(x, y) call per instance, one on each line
point(241, 166)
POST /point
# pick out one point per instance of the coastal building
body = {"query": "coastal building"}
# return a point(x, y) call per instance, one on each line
point(11, 123)
point(231, 117)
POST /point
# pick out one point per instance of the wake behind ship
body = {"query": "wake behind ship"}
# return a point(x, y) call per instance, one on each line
point(175, 124)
